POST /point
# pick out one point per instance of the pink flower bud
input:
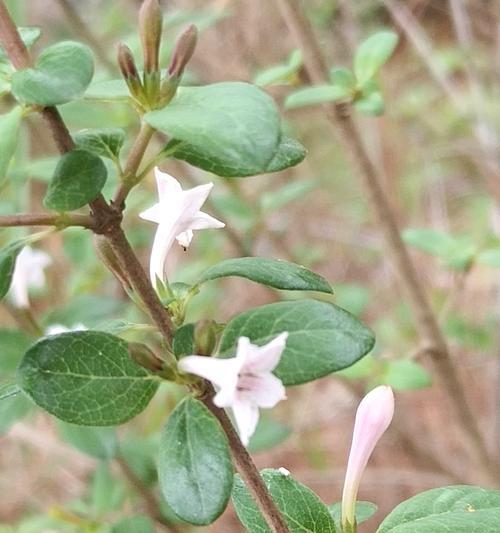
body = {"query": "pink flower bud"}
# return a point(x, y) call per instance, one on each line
point(150, 29)
point(183, 51)
point(373, 417)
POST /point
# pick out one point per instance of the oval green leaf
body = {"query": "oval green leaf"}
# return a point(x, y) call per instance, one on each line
point(230, 129)
point(78, 178)
point(323, 338)
point(457, 509)
point(103, 142)
point(195, 469)
point(288, 154)
point(61, 74)
point(86, 378)
point(372, 54)
point(319, 94)
point(271, 272)
point(303, 511)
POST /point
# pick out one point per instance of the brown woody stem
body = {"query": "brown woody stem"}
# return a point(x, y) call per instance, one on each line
point(247, 468)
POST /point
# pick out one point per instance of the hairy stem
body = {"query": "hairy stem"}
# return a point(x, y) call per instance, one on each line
point(247, 468)
point(426, 321)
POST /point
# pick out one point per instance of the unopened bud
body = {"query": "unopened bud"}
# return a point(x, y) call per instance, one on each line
point(129, 70)
point(143, 356)
point(150, 29)
point(373, 417)
point(205, 337)
point(183, 51)
point(107, 255)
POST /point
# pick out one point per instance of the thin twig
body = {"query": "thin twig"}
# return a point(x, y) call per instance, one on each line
point(46, 219)
point(426, 321)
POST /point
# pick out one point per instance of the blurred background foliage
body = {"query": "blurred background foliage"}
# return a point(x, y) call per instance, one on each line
point(58, 477)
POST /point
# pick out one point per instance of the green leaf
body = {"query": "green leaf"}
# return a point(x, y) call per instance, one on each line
point(29, 36)
point(489, 257)
point(371, 104)
point(183, 343)
point(364, 511)
point(343, 77)
point(86, 378)
point(104, 142)
point(289, 153)
point(268, 434)
point(9, 130)
point(405, 375)
point(138, 524)
point(195, 469)
point(62, 72)
point(282, 73)
point(457, 251)
point(108, 91)
point(303, 511)
point(140, 453)
point(456, 509)
point(230, 129)
point(98, 442)
point(318, 94)
point(372, 54)
point(8, 256)
point(79, 177)
point(106, 492)
point(271, 272)
point(274, 200)
point(322, 337)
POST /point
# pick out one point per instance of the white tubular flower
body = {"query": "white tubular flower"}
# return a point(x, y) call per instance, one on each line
point(245, 382)
point(373, 417)
point(56, 329)
point(28, 273)
point(177, 214)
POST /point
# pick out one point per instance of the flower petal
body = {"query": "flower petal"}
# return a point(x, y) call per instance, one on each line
point(153, 214)
point(167, 185)
point(193, 199)
point(223, 373)
point(185, 238)
point(246, 416)
point(204, 221)
point(164, 237)
point(266, 358)
point(267, 390)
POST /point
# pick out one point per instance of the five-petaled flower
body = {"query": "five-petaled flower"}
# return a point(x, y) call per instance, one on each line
point(28, 273)
point(373, 417)
point(177, 214)
point(245, 382)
